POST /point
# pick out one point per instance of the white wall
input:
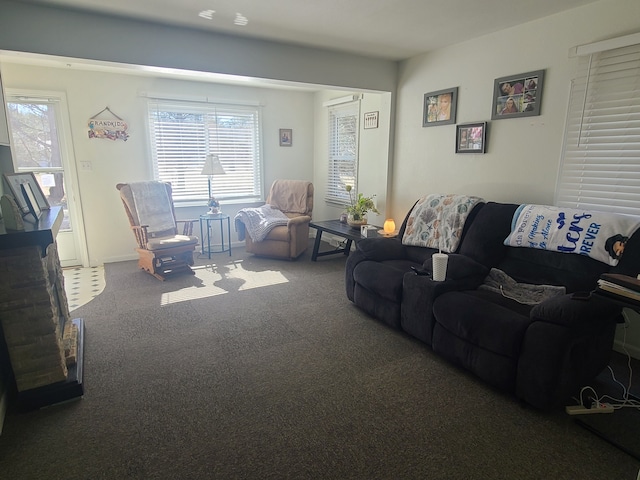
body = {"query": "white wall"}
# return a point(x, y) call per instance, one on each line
point(523, 154)
point(521, 162)
point(106, 226)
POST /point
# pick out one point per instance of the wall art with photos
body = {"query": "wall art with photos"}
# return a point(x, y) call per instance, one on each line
point(517, 95)
point(471, 138)
point(15, 180)
point(440, 107)
point(286, 137)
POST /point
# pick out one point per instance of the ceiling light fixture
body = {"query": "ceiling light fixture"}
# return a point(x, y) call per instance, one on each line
point(208, 14)
point(241, 20)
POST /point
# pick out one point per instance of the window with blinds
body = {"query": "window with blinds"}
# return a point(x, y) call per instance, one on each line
point(183, 133)
point(343, 151)
point(600, 166)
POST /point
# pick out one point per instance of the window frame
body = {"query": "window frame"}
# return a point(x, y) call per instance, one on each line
point(336, 193)
point(209, 137)
point(600, 160)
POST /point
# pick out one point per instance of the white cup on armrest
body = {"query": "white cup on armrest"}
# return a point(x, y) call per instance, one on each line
point(439, 266)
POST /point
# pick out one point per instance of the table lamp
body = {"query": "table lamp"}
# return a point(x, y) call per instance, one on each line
point(212, 166)
point(389, 227)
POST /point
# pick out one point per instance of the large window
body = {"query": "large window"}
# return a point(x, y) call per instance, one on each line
point(184, 133)
point(600, 168)
point(343, 151)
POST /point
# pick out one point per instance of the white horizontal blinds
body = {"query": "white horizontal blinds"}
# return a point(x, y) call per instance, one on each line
point(343, 151)
point(183, 133)
point(600, 168)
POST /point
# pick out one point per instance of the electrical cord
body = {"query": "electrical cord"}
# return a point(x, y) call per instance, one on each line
point(616, 403)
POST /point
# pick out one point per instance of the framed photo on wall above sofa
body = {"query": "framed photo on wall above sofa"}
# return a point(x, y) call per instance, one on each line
point(440, 107)
point(471, 138)
point(517, 95)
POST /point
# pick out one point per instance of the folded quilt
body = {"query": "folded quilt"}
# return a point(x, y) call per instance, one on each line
point(599, 235)
point(499, 282)
point(437, 221)
point(258, 222)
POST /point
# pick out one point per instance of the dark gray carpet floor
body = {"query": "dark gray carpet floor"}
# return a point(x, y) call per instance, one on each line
point(262, 369)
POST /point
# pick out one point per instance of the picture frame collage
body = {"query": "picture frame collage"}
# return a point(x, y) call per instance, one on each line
point(514, 96)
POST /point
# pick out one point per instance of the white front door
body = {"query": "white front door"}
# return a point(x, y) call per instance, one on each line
point(41, 143)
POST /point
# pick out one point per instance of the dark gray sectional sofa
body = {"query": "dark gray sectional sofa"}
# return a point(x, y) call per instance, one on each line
point(542, 353)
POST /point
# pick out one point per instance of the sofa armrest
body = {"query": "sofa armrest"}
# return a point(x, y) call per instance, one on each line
point(380, 248)
point(572, 310)
point(466, 271)
point(299, 220)
point(376, 249)
point(567, 344)
point(353, 260)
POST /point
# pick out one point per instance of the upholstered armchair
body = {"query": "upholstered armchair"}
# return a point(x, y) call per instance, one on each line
point(161, 248)
point(294, 198)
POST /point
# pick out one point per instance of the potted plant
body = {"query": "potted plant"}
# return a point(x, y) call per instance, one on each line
point(360, 205)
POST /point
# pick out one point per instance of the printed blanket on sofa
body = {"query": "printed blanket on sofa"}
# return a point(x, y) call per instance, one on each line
point(437, 221)
point(599, 235)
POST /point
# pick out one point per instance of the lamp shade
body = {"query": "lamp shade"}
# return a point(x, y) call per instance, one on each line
point(212, 166)
point(389, 226)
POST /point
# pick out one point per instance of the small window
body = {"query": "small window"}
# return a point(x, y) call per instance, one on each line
point(343, 151)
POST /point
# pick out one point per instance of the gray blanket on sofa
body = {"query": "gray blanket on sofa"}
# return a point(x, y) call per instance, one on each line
point(499, 282)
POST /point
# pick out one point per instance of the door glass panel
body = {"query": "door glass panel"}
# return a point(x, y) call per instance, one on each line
point(52, 185)
point(35, 148)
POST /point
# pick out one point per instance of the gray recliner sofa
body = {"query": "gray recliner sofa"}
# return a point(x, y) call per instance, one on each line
point(542, 353)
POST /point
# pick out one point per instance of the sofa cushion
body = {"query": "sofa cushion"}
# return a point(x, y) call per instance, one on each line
point(529, 265)
point(573, 311)
point(484, 240)
point(171, 241)
point(419, 254)
point(484, 319)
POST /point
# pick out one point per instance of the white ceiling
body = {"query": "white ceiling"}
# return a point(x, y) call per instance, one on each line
point(390, 29)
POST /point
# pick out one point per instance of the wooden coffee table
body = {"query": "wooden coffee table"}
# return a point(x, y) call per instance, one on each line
point(335, 227)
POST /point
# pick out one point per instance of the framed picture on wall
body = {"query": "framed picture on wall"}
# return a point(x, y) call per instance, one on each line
point(371, 120)
point(286, 137)
point(440, 107)
point(15, 180)
point(517, 95)
point(471, 138)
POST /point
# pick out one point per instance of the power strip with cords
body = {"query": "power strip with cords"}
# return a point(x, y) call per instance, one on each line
point(596, 407)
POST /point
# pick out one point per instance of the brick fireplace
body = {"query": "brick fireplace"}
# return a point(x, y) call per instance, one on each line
point(42, 342)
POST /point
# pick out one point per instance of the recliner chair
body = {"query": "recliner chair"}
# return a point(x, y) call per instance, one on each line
point(295, 199)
